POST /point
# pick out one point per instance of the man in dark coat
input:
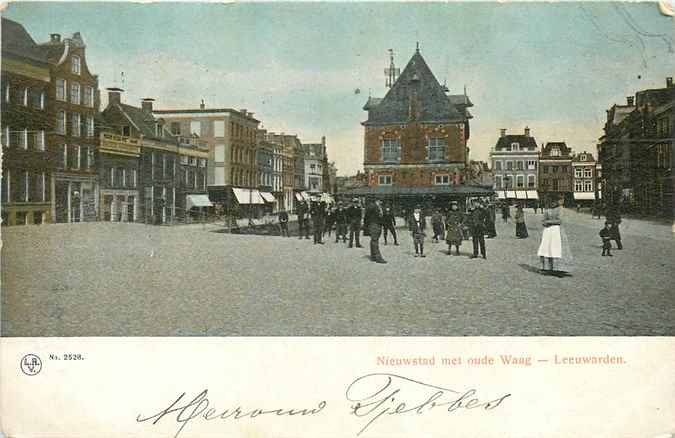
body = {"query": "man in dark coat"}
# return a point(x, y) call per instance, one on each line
point(389, 225)
point(318, 212)
point(283, 223)
point(354, 216)
point(330, 220)
point(614, 219)
point(341, 223)
point(437, 225)
point(373, 223)
point(479, 225)
point(453, 226)
point(605, 235)
point(303, 220)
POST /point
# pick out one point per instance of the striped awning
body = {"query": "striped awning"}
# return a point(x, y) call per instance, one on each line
point(248, 196)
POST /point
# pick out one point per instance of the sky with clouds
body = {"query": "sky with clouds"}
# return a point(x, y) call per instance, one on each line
point(555, 67)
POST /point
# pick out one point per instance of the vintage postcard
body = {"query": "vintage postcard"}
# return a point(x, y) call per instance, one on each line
point(337, 219)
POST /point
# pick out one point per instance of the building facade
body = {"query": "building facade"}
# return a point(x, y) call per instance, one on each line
point(28, 163)
point(636, 153)
point(231, 137)
point(293, 172)
point(314, 162)
point(75, 96)
point(515, 164)
point(118, 167)
point(415, 138)
point(584, 177)
point(555, 172)
point(168, 180)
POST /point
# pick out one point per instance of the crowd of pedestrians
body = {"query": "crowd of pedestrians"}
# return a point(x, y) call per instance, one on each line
point(350, 220)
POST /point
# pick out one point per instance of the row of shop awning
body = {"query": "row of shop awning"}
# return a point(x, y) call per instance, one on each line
point(517, 194)
point(252, 196)
point(304, 196)
point(586, 196)
point(197, 201)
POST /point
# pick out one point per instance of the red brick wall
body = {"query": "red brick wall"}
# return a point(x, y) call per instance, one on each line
point(412, 177)
point(414, 140)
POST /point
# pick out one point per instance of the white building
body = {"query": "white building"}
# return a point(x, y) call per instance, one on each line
point(314, 162)
point(584, 174)
point(515, 163)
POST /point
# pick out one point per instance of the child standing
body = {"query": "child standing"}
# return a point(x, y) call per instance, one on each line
point(417, 226)
point(605, 235)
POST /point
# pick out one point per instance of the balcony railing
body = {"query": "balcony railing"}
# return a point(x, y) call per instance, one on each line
point(192, 142)
point(119, 144)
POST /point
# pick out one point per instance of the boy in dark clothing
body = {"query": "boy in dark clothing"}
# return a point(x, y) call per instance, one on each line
point(283, 223)
point(389, 225)
point(605, 235)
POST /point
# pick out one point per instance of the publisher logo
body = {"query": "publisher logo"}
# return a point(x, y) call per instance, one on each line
point(31, 364)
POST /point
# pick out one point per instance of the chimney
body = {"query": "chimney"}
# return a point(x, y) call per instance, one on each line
point(527, 131)
point(630, 100)
point(114, 95)
point(55, 37)
point(669, 81)
point(146, 105)
point(202, 105)
point(502, 132)
point(243, 111)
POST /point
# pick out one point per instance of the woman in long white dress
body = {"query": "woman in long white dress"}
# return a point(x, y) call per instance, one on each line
point(551, 243)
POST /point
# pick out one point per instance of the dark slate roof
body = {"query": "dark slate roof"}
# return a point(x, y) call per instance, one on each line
point(143, 121)
point(372, 102)
point(564, 150)
point(313, 149)
point(17, 41)
point(589, 157)
point(525, 142)
point(416, 191)
point(460, 99)
point(416, 79)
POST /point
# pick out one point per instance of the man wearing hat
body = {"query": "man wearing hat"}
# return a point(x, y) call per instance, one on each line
point(373, 223)
point(303, 221)
point(354, 216)
point(318, 212)
point(389, 225)
point(478, 226)
point(340, 223)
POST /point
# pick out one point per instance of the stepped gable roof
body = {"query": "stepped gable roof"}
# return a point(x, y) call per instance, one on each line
point(432, 103)
point(526, 142)
point(17, 41)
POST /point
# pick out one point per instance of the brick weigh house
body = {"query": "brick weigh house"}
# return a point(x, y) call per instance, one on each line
point(415, 141)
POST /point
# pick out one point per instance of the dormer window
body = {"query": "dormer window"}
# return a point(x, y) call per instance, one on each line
point(555, 152)
point(515, 146)
point(75, 65)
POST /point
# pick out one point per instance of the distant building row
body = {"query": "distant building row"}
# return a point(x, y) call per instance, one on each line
point(523, 171)
point(66, 161)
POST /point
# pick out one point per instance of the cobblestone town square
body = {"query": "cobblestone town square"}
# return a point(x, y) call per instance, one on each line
point(134, 280)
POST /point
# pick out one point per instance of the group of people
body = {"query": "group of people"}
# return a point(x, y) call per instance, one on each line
point(348, 220)
point(454, 226)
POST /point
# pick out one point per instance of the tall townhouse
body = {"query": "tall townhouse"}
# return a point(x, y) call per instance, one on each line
point(28, 163)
